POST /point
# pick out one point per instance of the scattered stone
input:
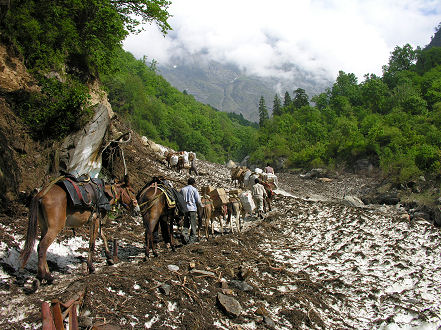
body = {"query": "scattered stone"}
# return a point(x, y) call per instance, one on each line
point(405, 217)
point(353, 201)
point(223, 284)
point(421, 215)
point(165, 289)
point(269, 322)
point(173, 268)
point(228, 292)
point(241, 285)
point(229, 305)
point(202, 272)
point(261, 311)
point(244, 272)
point(192, 265)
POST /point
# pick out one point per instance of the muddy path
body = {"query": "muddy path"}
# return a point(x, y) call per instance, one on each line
point(313, 262)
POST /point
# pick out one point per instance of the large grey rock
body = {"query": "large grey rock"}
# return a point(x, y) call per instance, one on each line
point(229, 305)
point(80, 151)
point(353, 201)
point(241, 285)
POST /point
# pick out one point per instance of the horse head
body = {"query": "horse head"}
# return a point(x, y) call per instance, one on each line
point(122, 193)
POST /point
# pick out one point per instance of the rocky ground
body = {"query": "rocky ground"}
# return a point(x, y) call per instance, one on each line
point(313, 262)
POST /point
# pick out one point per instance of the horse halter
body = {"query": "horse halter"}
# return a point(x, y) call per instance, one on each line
point(124, 192)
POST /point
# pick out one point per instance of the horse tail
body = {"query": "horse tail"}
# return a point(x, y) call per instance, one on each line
point(32, 231)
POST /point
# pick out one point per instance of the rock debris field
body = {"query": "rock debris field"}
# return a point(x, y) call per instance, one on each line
point(312, 262)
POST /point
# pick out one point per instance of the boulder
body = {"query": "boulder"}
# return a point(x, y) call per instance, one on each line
point(353, 201)
point(229, 305)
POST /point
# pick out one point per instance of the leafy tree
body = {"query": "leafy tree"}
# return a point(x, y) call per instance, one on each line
point(428, 59)
point(346, 85)
point(81, 33)
point(263, 112)
point(374, 94)
point(300, 98)
point(277, 106)
point(401, 59)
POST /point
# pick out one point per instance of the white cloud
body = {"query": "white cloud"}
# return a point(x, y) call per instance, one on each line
point(319, 35)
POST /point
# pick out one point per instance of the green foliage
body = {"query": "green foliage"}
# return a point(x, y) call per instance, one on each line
point(277, 106)
point(263, 112)
point(300, 98)
point(60, 108)
point(394, 120)
point(82, 34)
point(175, 119)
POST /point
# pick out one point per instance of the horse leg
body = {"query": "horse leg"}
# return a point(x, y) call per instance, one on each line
point(170, 233)
point(221, 216)
point(93, 233)
point(48, 235)
point(109, 257)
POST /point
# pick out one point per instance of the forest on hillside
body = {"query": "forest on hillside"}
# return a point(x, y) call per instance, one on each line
point(393, 120)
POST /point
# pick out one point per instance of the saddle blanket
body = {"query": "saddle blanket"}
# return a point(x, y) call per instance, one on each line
point(89, 194)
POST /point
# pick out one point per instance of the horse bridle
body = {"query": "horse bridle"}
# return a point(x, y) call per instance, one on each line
point(120, 199)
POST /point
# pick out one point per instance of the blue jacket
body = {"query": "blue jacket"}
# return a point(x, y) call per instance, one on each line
point(191, 197)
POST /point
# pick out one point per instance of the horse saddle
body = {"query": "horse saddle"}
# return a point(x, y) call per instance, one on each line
point(85, 192)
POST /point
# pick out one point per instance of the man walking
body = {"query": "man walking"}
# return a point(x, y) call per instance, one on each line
point(259, 194)
point(192, 200)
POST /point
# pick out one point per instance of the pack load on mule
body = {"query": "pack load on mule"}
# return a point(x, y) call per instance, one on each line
point(160, 205)
point(219, 197)
point(247, 201)
point(237, 175)
point(217, 204)
point(180, 160)
point(72, 202)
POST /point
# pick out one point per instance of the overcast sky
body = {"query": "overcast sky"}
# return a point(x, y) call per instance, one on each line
point(322, 36)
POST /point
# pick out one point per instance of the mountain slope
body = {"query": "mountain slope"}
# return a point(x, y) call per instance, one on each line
point(230, 89)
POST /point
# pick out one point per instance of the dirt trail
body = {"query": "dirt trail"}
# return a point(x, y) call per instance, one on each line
point(311, 263)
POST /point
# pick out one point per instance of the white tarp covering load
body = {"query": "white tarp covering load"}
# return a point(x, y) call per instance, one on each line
point(174, 160)
point(80, 152)
point(247, 201)
point(185, 156)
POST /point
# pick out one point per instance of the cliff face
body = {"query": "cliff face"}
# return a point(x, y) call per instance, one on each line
point(436, 40)
point(26, 164)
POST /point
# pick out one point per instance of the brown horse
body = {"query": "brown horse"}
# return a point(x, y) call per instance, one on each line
point(53, 211)
point(238, 175)
point(235, 209)
point(154, 210)
point(206, 217)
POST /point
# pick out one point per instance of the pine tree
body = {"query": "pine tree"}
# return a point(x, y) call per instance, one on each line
point(277, 106)
point(287, 100)
point(300, 99)
point(263, 112)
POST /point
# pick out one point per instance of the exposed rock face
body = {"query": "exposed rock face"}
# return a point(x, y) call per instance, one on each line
point(13, 74)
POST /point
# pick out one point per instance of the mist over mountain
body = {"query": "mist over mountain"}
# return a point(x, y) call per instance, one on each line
point(228, 88)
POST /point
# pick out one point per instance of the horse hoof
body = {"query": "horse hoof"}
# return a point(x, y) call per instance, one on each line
point(91, 269)
point(110, 262)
